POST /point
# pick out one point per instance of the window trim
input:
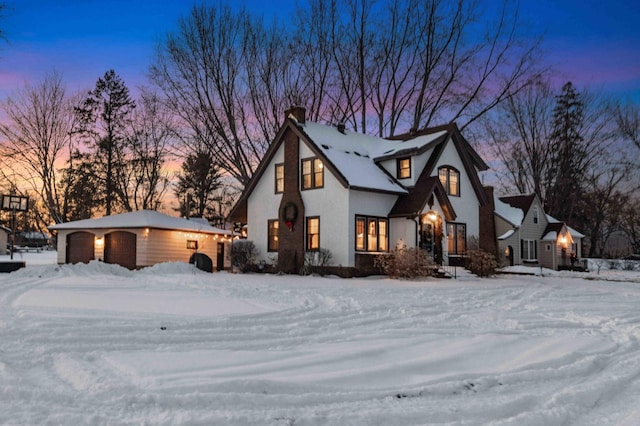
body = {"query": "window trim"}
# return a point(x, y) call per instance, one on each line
point(276, 179)
point(447, 185)
point(306, 233)
point(454, 236)
point(536, 214)
point(312, 161)
point(271, 242)
point(399, 168)
point(365, 238)
point(530, 244)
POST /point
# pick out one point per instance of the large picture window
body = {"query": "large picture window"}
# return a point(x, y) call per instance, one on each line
point(450, 180)
point(529, 250)
point(279, 178)
point(272, 235)
point(313, 233)
point(456, 238)
point(372, 234)
point(404, 168)
point(312, 173)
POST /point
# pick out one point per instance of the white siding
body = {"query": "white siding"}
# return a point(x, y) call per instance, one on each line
point(263, 205)
point(467, 204)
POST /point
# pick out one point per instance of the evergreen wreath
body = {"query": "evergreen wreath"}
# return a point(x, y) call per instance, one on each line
point(289, 214)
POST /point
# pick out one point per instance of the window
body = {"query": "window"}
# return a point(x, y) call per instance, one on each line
point(312, 173)
point(313, 233)
point(272, 234)
point(404, 168)
point(535, 214)
point(529, 250)
point(450, 180)
point(456, 238)
point(372, 234)
point(548, 247)
point(279, 178)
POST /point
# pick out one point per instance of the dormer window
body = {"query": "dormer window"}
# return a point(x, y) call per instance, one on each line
point(404, 168)
point(450, 180)
point(312, 173)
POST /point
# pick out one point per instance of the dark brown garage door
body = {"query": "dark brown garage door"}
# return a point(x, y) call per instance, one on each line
point(120, 248)
point(80, 247)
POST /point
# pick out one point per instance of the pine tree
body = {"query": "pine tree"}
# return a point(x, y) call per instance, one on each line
point(197, 184)
point(103, 116)
point(568, 155)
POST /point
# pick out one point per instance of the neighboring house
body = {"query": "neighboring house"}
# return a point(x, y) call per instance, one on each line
point(5, 234)
point(528, 236)
point(321, 186)
point(142, 238)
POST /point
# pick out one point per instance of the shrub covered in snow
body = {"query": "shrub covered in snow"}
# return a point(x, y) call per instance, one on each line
point(405, 262)
point(481, 263)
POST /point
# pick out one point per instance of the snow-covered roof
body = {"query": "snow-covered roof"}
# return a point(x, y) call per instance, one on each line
point(141, 219)
point(572, 232)
point(507, 234)
point(513, 215)
point(550, 236)
point(353, 155)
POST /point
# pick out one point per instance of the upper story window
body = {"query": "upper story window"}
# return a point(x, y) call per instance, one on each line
point(450, 180)
point(272, 235)
point(279, 178)
point(404, 168)
point(535, 214)
point(312, 173)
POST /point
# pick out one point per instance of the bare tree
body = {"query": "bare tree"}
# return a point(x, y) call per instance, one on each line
point(201, 69)
point(628, 120)
point(37, 137)
point(150, 141)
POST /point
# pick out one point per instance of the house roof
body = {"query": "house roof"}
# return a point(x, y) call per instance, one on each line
point(572, 232)
point(413, 203)
point(522, 202)
point(511, 214)
point(354, 159)
point(141, 219)
point(552, 231)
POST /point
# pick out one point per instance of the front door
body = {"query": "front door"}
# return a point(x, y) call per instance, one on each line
point(220, 257)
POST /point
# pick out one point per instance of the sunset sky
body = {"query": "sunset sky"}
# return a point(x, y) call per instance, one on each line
point(592, 43)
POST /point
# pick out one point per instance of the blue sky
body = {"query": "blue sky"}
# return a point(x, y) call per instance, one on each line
point(592, 43)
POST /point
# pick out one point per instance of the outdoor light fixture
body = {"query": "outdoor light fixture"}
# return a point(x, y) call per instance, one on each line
point(432, 216)
point(99, 241)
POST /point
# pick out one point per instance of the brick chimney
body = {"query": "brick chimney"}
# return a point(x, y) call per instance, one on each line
point(488, 237)
point(298, 112)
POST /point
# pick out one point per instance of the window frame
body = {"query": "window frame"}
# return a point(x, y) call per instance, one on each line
point(308, 243)
point(453, 238)
point(313, 174)
point(273, 243)
point(381, 240)
point(529, 244)
point(536, 214)
point(277, 179)
point(447, 180)
point(399, 167)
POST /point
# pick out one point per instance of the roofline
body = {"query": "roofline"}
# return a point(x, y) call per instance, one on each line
point(201, 231)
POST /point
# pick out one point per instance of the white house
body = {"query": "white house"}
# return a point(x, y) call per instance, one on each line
point(528, 236)
point(141, 238)
point(321, 186)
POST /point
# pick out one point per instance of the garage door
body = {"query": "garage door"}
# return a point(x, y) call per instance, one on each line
point(120, 248)
point(80, 247)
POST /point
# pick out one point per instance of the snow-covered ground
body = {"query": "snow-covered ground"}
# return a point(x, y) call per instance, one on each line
point(97, 344)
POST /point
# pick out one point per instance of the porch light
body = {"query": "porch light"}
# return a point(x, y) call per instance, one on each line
point(563, 241)
point(432, 216)
point(99, 241)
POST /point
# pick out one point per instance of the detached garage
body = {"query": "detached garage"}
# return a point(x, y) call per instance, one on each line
point(143, 238)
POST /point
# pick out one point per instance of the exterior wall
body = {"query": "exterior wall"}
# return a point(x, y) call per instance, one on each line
point(502, 227)
point(263, 205)
point(367, 204)
point(155, 246)
point(331, 204)
point(418, 162)
point(4, 238)
point(547, 258)
point(402, 231)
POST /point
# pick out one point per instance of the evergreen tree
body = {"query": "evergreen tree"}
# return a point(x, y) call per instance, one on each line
point(569, 159)
point(197, 184)
point(103, 116)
